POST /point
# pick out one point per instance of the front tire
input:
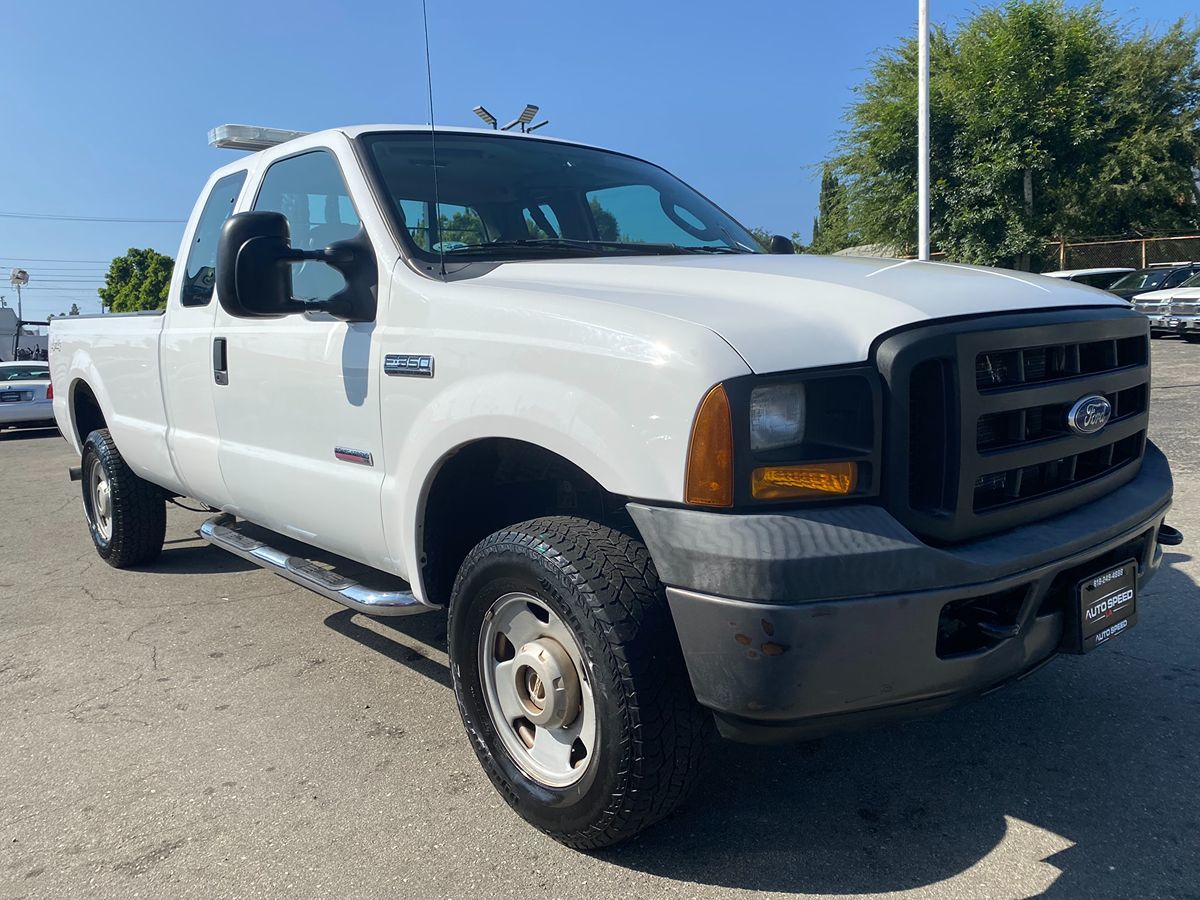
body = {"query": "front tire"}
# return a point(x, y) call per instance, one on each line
point(570, 680)
point(126, 515)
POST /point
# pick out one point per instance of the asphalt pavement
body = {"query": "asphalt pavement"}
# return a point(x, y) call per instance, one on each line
point(204, 729)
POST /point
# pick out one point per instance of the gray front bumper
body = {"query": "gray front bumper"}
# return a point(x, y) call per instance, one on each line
point(799, 623)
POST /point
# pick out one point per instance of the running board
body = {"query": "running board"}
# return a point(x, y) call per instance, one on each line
point(219, 532)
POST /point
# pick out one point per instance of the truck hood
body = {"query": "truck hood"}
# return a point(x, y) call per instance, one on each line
point(788, 312)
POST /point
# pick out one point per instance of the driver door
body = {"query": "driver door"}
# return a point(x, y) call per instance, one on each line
point(298, 412)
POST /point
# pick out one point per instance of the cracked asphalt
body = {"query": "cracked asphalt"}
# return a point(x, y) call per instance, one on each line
point(202, 728)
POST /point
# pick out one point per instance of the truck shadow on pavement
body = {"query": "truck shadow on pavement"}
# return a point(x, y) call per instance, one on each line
point(428, 629)
point(195, 557)
point(29, 434)
point(1089, 768)
point(1080, 781)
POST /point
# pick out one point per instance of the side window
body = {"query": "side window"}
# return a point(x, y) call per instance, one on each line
point(200, 274)
point(1177, 278)
point(309, 190)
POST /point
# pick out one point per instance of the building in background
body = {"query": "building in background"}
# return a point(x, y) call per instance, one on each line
point(15, 340)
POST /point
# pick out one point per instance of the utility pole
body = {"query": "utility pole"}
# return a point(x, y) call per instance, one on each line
point(923, 130)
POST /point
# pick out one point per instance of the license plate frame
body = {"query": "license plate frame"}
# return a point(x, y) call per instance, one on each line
point(1103, 606)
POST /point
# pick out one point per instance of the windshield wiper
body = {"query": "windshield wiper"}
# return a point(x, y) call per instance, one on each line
point(535, 245)
point(595, 248)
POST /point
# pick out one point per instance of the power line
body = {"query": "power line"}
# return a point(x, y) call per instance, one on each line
point(53, 218)
point(48, 259)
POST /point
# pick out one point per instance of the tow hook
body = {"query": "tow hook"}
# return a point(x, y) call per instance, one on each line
point(1168, 536)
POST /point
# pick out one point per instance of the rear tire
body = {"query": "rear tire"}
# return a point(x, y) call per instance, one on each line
point(598, 594)
point(1192, 338)
point(127, 515)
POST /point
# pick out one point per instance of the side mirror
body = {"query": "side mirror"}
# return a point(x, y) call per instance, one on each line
point(781, 244)
point(254, 270)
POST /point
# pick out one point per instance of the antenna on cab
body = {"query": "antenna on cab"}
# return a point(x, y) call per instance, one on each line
point(435, 226)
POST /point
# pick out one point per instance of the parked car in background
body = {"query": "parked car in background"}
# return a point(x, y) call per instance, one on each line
point(1160, 308)
point(1158, 277)
point(26, 397)
point(1102, 278)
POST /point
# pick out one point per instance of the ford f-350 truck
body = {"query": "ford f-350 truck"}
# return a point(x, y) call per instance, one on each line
point(658, 477)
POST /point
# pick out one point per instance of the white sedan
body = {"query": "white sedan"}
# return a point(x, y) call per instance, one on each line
point(26, 397)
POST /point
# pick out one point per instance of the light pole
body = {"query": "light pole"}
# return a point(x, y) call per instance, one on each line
point(923, 130)
point(19, 277)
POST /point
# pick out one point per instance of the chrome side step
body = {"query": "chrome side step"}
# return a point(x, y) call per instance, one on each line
point(219, 532)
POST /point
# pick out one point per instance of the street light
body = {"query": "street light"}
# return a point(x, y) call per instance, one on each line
point(18, 277)
point(523, 119)
point(486, 116)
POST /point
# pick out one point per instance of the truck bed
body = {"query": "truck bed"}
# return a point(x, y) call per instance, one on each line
point(117, 356)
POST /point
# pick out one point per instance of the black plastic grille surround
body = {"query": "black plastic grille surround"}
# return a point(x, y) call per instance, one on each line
point(976, 435)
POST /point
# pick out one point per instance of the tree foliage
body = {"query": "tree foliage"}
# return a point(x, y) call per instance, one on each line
point(138, 280)
point(1045, 121)
point(831, 227)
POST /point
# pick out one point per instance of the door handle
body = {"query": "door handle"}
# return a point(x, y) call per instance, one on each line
point(220, 361)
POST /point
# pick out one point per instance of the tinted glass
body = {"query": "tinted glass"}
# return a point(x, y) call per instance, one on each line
point(200, 274)
point(507, 198)
point(1101, 280)
point(1177, 278)
point(24, 373)
point(457, 225)
point(310, 191)
point(1143, 280)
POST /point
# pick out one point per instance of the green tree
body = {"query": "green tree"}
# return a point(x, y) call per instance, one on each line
point(763, 236)
point(1045, 121)
point(138, 280)
point(831, 227)
point(74, 311)
point(607, 228)
point(464, 226)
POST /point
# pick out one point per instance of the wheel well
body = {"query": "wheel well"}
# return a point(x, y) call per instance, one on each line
point(495, 482)
point(85, 412)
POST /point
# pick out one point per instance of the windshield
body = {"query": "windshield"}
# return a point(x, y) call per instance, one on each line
point(24, 373)
point(504, 198)
point(1145, 280)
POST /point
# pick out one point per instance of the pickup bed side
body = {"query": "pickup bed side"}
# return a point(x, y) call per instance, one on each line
point(112, 361)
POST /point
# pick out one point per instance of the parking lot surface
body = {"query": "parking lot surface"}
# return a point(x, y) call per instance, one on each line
point(203, 728)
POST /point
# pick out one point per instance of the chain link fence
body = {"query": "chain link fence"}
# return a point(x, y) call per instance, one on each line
point(1136, 253)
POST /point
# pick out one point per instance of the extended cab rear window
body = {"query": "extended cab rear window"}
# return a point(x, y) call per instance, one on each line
point(201, 272)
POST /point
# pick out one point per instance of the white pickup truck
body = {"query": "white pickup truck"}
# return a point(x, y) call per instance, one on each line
point(658, 477)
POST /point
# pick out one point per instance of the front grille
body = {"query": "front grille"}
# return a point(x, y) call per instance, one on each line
point(981, 409)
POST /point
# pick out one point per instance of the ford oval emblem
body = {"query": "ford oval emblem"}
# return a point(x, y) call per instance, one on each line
point(1089, 414)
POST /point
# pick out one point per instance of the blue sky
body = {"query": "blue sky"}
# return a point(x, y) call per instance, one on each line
point(106, 105)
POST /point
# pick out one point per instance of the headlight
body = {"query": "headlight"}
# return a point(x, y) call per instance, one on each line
point(776, 416)
point(795, 436)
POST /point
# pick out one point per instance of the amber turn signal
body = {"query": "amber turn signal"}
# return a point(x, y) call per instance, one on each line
point(812, 480)
point(709, 480)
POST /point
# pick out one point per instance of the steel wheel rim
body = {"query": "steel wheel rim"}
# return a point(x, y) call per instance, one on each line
point(100, 495)
point(523, 639)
